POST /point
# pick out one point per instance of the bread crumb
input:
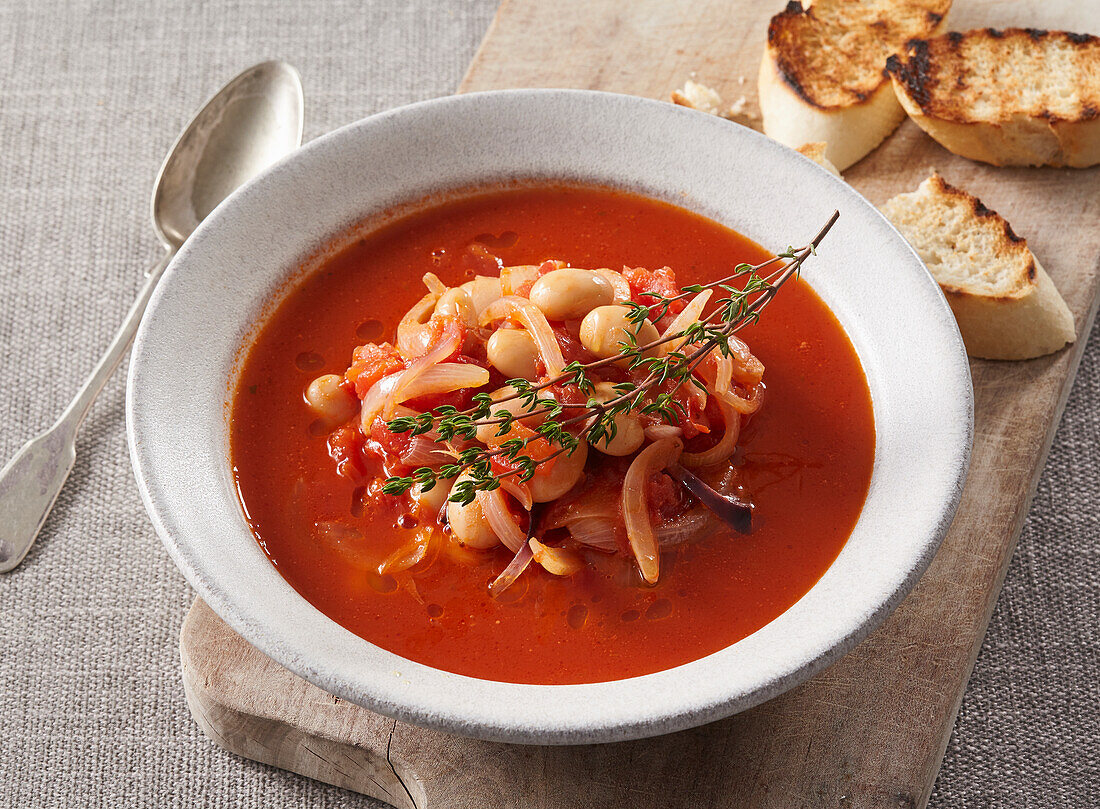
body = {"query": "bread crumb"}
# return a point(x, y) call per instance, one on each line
point(816, 152)
point(700, 97)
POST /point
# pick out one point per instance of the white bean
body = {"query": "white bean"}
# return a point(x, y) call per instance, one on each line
point(487, 433)
point(468, 523)
point(513, 352)
point(562, 475)
point(629, 433)
point(570, 293)
point(430, 503)
point(330, 400)
point(605, 331)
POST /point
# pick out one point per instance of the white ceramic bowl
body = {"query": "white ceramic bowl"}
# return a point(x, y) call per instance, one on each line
point(216, 289)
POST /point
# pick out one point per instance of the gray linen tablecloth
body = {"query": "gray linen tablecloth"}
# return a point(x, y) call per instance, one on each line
point(91, 707)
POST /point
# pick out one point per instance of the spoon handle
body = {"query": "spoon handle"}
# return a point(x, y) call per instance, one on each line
point(31, 481)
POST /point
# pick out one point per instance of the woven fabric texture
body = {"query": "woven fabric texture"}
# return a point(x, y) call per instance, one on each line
point(91, 708)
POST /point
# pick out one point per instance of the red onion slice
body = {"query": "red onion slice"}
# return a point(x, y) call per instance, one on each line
point(519, 490)
point(424, 451)
point(412, 331)
point(691, 314)
point(449, 344)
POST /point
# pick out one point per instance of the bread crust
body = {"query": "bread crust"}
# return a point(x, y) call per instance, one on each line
point(822, 76)
point(1045, 111)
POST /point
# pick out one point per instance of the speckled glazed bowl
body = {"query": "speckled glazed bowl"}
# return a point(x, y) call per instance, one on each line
point(228, 273)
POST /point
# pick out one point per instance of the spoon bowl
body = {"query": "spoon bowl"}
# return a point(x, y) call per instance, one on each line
point(249, 124)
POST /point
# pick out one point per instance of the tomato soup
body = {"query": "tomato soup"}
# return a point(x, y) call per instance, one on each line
point(805, 459)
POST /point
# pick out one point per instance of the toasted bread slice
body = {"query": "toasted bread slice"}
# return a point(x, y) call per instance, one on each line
point(817, 152)
point(1019, 97)
point(1006, 305)
point(822, 76)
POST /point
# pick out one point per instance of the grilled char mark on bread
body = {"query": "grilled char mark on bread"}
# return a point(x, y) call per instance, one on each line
point(822, 76)
point(832, 53)
point(1005, 304)
point(1020, 96)
point(991, 75)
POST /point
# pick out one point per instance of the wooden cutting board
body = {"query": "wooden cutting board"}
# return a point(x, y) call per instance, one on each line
point(871, 730)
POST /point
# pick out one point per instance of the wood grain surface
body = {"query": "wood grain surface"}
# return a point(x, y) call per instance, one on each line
point(871, 730)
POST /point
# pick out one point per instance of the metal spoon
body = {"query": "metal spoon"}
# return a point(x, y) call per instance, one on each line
point(252, 122)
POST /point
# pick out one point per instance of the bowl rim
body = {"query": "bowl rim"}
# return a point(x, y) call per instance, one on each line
point(349, 667)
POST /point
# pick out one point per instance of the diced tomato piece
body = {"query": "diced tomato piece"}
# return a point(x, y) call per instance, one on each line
point(665, 496)
point(391, 443)
point(646, 285)
point(371, 362)
point(461, 399)
point(345, 446)
point(570, 344)
point(550, 265)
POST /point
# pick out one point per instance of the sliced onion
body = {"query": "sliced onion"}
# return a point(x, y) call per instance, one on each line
point(379, 393)
point(519, 490)
point(723, 374)
point(423, 548)
point(746, 406)
point(731, 420)
point(347, 541)
point(442, 378)
point(747, 369)
point(655, 432)
point(516, 567)
point(557, 561)
point(412, 333)
point(500, 519)
point(691, 526)
point(619, 285)
point(432, 282)
point(639, 527)
point(692, 312)
point(591, 503)
point(483, 290)
point(423, 451)
point(532, 319)
point(595, 532)
point(449, 344)
point(512, 278)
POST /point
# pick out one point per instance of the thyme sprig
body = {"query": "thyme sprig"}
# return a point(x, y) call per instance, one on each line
point(561, 426)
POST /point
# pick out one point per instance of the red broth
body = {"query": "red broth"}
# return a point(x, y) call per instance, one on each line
point(806, 457)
